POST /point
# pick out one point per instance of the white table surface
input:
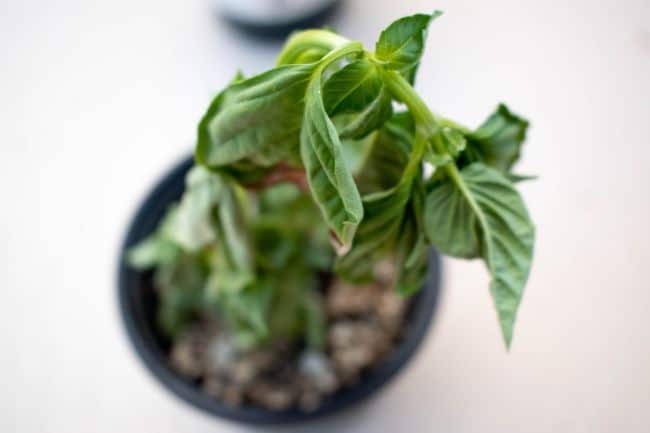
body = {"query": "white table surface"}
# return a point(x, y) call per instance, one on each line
point(98, 98)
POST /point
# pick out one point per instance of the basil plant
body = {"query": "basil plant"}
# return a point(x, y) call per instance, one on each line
point(315, 168)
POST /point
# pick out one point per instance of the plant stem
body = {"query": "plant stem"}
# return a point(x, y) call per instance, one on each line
point(282, 172)
point(314, 39)
point(448, 123)
point(425, 120)
point(345, 50)
point(429, 124)
point(402, 90)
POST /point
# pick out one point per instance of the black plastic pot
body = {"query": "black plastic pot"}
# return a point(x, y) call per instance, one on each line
point(138, 303)
point(282, 28)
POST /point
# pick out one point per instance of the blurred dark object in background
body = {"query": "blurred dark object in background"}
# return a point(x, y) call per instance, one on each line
point(276, 18)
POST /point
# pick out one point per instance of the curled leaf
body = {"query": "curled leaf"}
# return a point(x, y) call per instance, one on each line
point(497, 142)
point(481, 213)
point(358, 89)
point(329, 178)
point(257, 119)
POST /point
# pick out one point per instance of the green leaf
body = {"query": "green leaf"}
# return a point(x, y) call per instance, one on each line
point(223, 282)
point(377, 233)
point(258, 118)
point(356, 152)
point(279, 244)
point(309, 46)
point(152, 251)
point(295, 310)
point(190, 223)
point(232, 228)
point(454, 141)
point(358, 88)
point(401, 45)
point(388, 156)
point(390, 228)
point(329, 178)
point(412, 260)
point(246, 312)
point(351, 88)
point(239, 76)
point(437, 159)
point(412, 256)
point(179, 284)
point(497, 142)
point(310, 55)
point(275, 244)
point(516, 178)
point(450, 222)
point(370, 118)
point(480, 212)
point(383, 222)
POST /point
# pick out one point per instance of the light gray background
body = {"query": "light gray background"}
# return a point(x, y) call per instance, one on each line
point(97, 99)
